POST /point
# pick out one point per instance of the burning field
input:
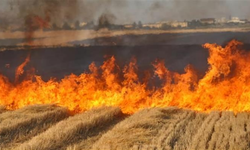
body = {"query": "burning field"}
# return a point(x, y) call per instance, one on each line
point(113, 106)
point(224, 87)
point(110, 88)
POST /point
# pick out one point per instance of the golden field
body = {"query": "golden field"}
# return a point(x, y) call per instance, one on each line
point(48, 127)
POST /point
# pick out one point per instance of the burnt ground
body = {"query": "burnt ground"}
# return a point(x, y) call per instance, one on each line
point(49, 127)
point(58, 62)
point(169, 39)
point(177, 50)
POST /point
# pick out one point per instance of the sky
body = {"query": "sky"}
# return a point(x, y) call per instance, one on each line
point(125, 11)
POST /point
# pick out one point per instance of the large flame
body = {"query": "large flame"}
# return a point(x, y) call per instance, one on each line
point(20, 68)
point(225, 86)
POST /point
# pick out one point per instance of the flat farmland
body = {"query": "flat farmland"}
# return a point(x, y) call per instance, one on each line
point(48, 127)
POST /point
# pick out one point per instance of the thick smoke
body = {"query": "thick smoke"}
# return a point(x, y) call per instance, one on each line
point(125, 11)
point(56, 10)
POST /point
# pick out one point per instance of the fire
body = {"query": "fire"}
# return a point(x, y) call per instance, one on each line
point(20, 70)
point(225, 86)
point(32, 22)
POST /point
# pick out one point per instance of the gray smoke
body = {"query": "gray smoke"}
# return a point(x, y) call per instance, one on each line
point(125, 11)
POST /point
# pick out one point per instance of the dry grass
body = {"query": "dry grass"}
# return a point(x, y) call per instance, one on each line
point(2, 109)
point(222, 131)
point(204, 134)
point(20, 125)
point(106, 129)
point(178, 132)
point(139, 129)
point(187, 131)
point(73, 129)
point(240, 133)
point(175, 129)
point(94, 136)
point(230, 132)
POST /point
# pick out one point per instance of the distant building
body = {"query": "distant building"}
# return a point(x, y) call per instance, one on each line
point(182, 24)
point(221, 20)
point(174, 24)
point(128, 26)
point(245, 20)
point(236, 20)
point(153, 25)
point(207, 20)
point(82, 24)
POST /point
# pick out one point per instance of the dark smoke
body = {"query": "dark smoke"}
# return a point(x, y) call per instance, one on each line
point(57, 10)
point(125, 11)
point(4, 23)
point(106, 20)
point(38, 14)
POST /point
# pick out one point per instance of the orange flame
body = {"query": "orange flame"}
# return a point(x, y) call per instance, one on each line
point(225, 86)
point(20, 70)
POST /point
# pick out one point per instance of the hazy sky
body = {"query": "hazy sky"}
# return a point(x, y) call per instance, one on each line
point(126, 11)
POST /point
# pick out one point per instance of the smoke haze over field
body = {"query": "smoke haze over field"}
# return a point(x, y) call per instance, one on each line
point(125, 11)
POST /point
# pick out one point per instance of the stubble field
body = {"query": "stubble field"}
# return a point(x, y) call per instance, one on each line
point(48, 127)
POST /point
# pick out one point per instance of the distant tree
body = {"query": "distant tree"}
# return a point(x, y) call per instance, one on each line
point(140, 25)
point(106, 24)
point(195, 23)
point(104, 21)
point(165, 26)
point(147, 28)
point(66, 26)
point(89, 25)
point(55, 27)
point(134, 25)
point(4, 24)
point(77, 25)
point(179, 26)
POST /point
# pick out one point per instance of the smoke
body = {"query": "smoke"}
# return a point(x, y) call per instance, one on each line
point(57, 10)
point(195, 9)
point(105, 20)
point(125, 11)
point(128, 11)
